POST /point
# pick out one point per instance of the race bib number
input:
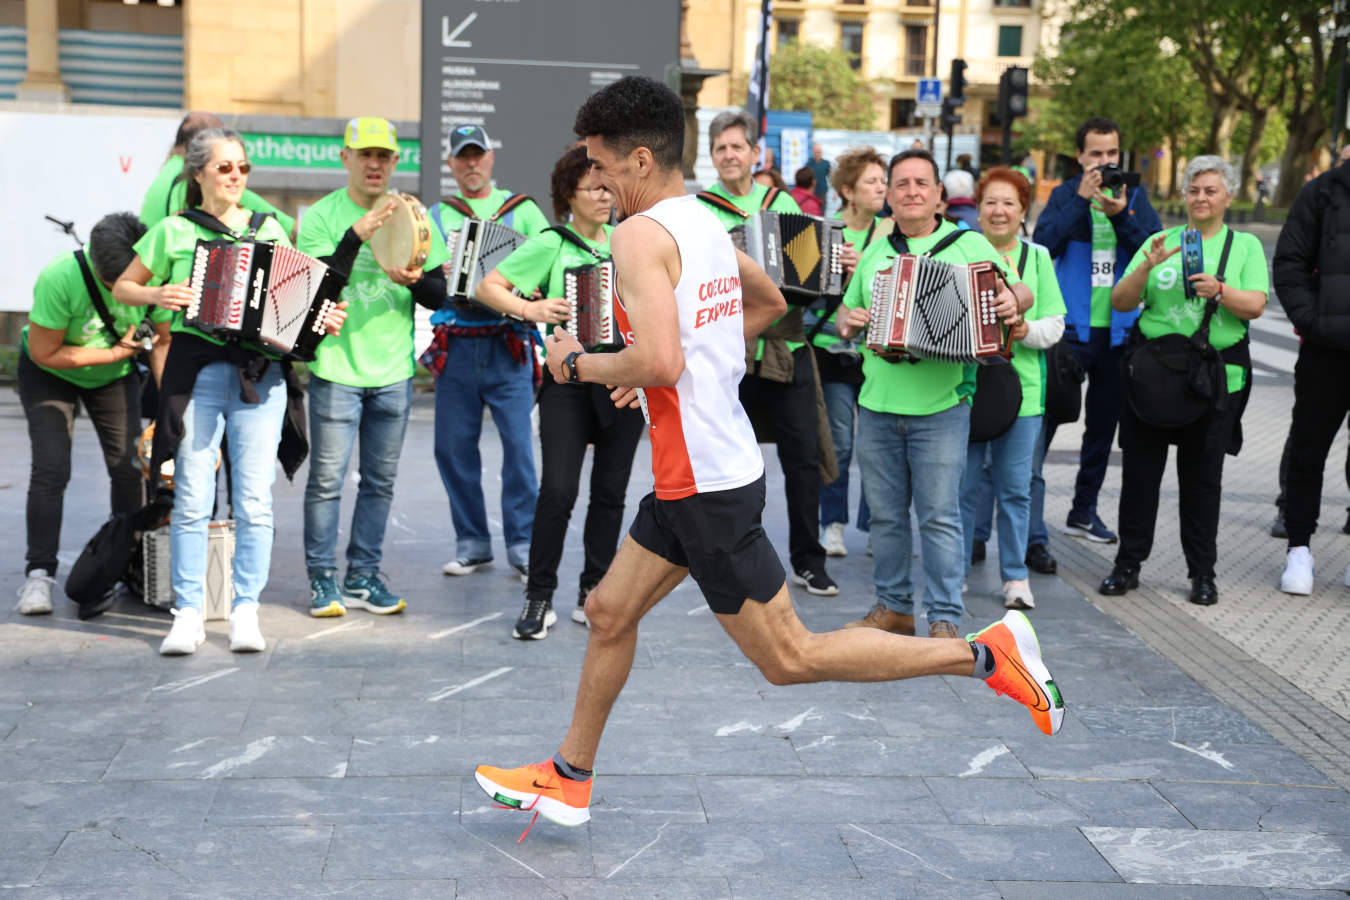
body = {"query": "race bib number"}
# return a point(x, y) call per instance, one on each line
point(1103, 268)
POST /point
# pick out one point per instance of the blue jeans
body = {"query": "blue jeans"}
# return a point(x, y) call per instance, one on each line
point(1008, 477)
point(841, 402)
point(919, 459)
point(1037, 533)
point(479, 371)
point(253, 431)
point(338, 413)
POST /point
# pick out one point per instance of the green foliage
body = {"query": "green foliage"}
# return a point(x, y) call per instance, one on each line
point(818, 80)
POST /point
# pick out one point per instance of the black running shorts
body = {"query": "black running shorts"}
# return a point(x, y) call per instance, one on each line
point(717, 536)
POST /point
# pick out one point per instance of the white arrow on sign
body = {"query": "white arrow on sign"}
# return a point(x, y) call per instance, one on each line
point(448, 37)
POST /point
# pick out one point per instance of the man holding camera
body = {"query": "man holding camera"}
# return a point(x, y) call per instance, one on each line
point(1092, 225)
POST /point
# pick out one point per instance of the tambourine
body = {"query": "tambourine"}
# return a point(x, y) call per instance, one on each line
point(404, 240)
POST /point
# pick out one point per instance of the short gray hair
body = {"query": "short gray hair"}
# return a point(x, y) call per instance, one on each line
point(1210, 163)
point(198, 154)
point(730, 119)
point(959, 183)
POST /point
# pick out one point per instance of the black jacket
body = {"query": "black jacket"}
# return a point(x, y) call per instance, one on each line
point(1312, 260)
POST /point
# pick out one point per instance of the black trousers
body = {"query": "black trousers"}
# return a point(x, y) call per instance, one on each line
point(50, 403)
point(1200, 455)
point(570, 417)
point(791, 410)
point(1321, 401)
point(1284, 467)
point(1101, 410)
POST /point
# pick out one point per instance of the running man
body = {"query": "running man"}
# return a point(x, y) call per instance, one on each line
point(686, 300)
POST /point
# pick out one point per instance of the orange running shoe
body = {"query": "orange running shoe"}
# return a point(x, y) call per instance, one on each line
point(538, 787)
point(1018, 670)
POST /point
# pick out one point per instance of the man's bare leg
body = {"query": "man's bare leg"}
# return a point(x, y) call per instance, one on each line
point(636, 581)
point(776, 641)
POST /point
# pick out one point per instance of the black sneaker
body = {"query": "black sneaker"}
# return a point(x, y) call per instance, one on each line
point(579, 614)
point(523, 570)
point(816, 582)
point(1346, 529)
point(977, 552)
point(535, 619)
point(1040, 560)
point(1277, 529)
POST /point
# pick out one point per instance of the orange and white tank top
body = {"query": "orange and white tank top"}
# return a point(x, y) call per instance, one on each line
point(701, 437)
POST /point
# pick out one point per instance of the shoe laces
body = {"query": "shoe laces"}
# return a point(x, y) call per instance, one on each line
point(535, 608)
point(1019, 689)
point(31, 584)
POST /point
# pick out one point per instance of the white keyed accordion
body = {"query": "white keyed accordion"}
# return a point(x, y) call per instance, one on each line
point(801, 254)
point(589, 291)
point(258, 291)
point(927, 309)
point(476, 249)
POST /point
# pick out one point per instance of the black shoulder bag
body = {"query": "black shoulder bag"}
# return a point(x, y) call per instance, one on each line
point(1175, 379)
point(149, 392)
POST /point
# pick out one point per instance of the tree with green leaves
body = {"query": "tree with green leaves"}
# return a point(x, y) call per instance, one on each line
point(818, 80)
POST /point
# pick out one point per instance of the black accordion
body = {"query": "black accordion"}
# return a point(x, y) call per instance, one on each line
point(264, 292)
point(801, 254)
point(476, 249)
point(927, 309)
point(589, 291)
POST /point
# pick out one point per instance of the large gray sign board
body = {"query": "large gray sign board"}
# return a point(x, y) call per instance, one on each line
point(520, 69)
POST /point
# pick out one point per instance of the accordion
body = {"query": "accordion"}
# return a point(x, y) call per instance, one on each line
point(928, 309)
point(475, 250)
point(589, 291)
point(800, 253)
point(257, 291)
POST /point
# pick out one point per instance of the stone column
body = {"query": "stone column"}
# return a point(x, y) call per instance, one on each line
point(42, 81)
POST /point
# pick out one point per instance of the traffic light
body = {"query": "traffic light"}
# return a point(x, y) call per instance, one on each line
point(956, 84)
point(1012, 94)
point(950, 117)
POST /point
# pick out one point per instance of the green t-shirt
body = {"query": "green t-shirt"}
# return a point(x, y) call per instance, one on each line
point(931, 385)
point(540, 262)
point(167, 248)
point(752, 203)
point(827, 336)
point(61, 302)
point(165, 198)
point(1103, 266)
point(527, 218)
point(375, 347)
point(1028, 362)
point(1168, 311)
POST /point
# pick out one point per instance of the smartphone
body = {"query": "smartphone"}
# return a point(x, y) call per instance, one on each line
point(1192, 259)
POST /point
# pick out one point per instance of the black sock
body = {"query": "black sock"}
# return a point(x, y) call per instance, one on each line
point(569, 771)
point(984, 660)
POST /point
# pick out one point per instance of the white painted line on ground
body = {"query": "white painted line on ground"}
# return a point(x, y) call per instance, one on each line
point(737, 728)
point(188, 746)
point(982, 759)
point(513, 859)
point(174, 687)
point(495, 673)
point(252, 753)
point(701, 608)
point(645, 848)
point(353, 625)
point(1204, 752)
point(921, 860)
point(798, 720)
point(466, 626)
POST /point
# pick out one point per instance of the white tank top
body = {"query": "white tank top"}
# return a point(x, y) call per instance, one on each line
point(701, 437)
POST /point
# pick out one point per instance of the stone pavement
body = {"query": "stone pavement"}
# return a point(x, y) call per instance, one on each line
point(338, 762)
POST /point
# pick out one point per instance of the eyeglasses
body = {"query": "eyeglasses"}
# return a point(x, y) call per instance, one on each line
point(597, 189)
point(225, 168)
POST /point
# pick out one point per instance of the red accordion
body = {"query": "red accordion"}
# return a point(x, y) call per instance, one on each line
point(927, 309)
point(589, 291)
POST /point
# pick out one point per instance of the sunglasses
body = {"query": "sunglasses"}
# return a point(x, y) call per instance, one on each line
point(226, 168)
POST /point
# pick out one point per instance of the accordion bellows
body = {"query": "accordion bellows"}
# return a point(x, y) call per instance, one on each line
point(589, 291)
point(928, 309)
point(801, 254)
point(476, 249)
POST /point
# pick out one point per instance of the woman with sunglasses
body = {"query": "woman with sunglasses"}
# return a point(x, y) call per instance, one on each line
point(220, 389)
point(570, 416)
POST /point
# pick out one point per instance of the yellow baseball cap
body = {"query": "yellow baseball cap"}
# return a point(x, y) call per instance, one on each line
point(370, 131)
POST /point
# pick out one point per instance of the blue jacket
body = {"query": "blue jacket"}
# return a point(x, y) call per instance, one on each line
point(1065, 228)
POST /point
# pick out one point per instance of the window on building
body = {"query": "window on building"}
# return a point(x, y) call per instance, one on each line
point(788, 30)
point(854, 2)
point(851, 40)
point(1013, 4)
point(1010, 40)
point(916, 49)
point(919, 2)
point(902, 113)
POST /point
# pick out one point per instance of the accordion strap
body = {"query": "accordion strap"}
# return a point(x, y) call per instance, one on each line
point(96, 296)
point(206, 220)
point(722, 203)
point(510, 203)
point(575, 239)
point(902, 246)
point(769, 196)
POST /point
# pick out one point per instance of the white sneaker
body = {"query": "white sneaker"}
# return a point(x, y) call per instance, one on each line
point(834, 540)
point(35, 597)
point(1298, 572)
point(245, 637)
point(465, 565)
point(1017, 595)
point(187, 633)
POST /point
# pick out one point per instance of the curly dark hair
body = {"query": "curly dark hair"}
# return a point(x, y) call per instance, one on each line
point(636, 112)
point(567, 174)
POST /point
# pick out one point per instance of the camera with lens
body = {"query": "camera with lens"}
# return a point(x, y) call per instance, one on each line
point(1114, 178)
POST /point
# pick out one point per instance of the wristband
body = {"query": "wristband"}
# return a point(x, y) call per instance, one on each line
point(570, 367)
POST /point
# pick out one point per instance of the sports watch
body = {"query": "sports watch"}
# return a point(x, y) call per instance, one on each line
point(570, 366)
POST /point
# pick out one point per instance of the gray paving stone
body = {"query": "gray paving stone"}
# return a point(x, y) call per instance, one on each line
point(332, 801)
point(697, 755)
point(687, 888)
point(227, 681)
point(742, 849)
point(869, 887)
point(1042, 801)
point(777, 717)
point(476, 683)
point(968, 851)
point(815, 800)
point(1128, 759)
point(40, 806)
point(27, 685)
point(75, 759)
point(171, 719)
point(383, 755)
point(1188, 724)
point(269, 756)
point(881, 755)
point(1245, 807)
point(1253, 859)
point(448, 849)
point(978, 715)
point(549, 718)
point(100, 856)
point(664, 682)
point(347, 717)
point(637, 799)
point(1048, 890)
point(254, 890)
point(26, 853)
